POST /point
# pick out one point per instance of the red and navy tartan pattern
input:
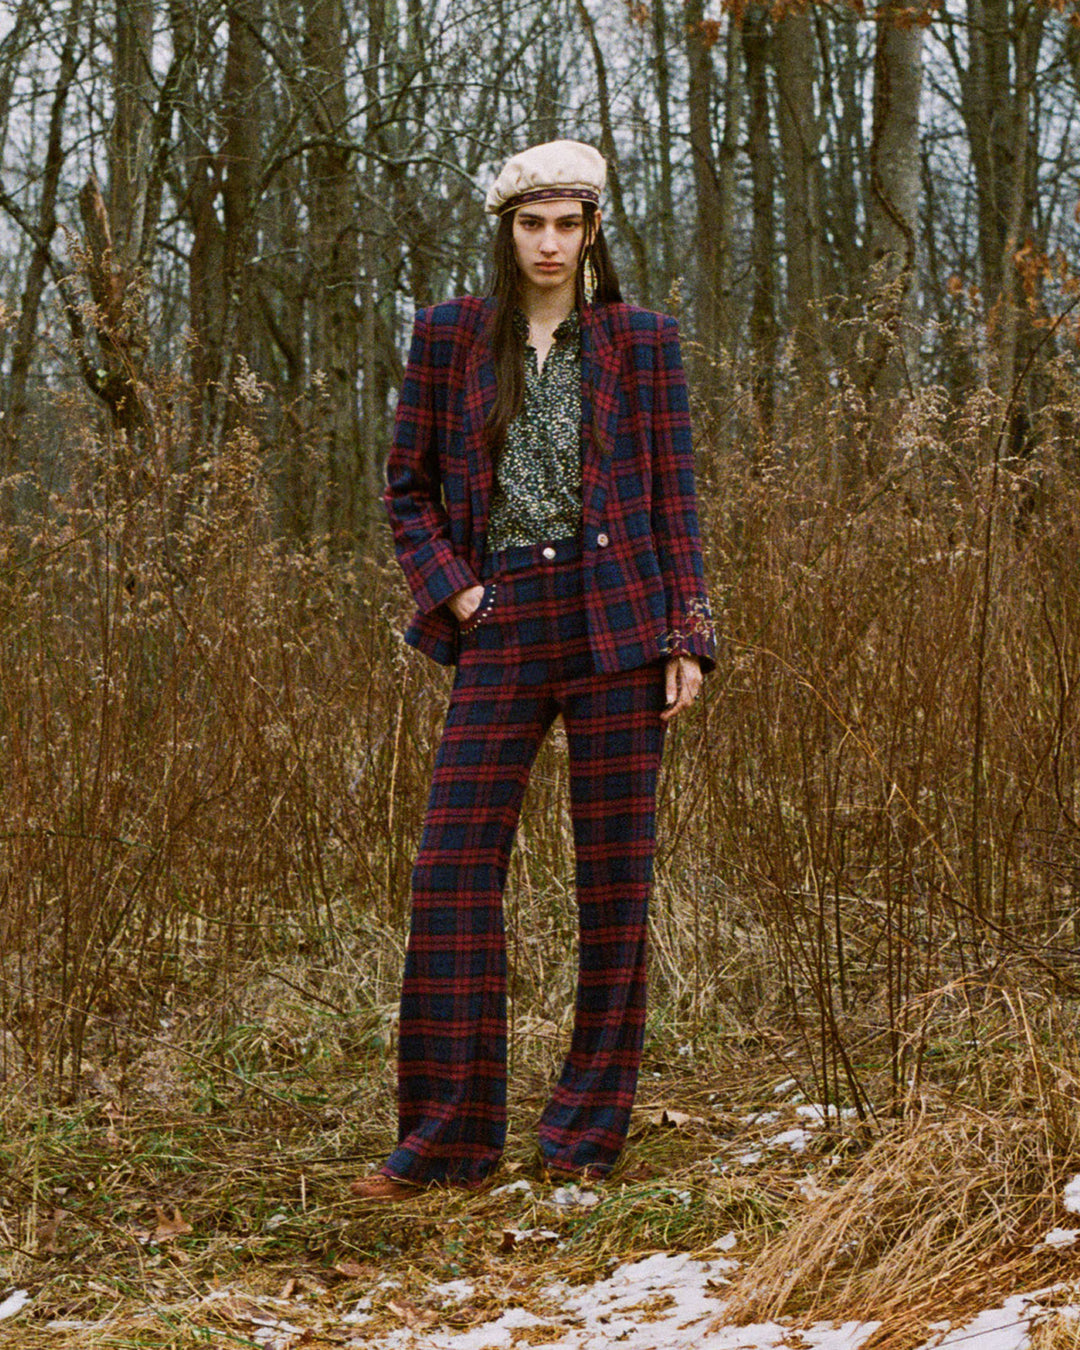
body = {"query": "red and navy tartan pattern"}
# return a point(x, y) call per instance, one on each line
point(525, 658)
point(643, 585)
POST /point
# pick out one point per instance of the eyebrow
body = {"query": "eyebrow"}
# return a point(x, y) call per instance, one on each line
point(559, 220)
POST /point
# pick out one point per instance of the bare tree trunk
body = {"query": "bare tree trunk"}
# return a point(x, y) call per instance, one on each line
point(997, 71)
point(371, 448)
point(607, 148)
point(117, 322)
point(226, 312)
point(335, 253)
point(848, 183)
point(545, 121)
point(712, 232)
point(800, 140)
point(666, 214)
point(730, 150)
point(764, 329)
point(14, 42)
point(15, 400)
point(373, 409)
point(130, 139)
point(283, 279)
point(894, 201)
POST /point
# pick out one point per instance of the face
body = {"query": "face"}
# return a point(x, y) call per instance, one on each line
point(548, 239)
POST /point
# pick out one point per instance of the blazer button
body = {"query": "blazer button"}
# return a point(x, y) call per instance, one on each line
point(548, 552)
point(603, 540)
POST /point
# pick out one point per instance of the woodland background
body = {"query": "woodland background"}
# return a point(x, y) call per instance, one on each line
point(281, 182)
point(216, 220)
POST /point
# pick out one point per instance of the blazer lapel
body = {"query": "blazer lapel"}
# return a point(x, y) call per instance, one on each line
point(599, 410)
point(479, 395)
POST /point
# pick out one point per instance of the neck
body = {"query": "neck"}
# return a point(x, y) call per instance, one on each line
point(547, 308)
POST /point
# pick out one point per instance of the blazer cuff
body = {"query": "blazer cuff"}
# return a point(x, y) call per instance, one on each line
point(442, 582)
point(693, 633)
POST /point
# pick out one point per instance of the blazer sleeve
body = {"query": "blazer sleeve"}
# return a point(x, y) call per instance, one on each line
point(674, 508)
point(413, 495)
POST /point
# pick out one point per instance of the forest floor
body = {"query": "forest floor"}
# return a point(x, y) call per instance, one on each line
point(174, 1206)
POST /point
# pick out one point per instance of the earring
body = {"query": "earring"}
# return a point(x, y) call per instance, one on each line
point(588, 277)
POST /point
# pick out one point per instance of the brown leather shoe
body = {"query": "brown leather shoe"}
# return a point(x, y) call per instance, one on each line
point(383, 1189)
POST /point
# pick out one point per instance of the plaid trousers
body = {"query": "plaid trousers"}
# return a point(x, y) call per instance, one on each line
point(524, 659)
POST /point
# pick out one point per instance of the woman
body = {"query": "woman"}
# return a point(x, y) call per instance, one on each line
point(541, 494)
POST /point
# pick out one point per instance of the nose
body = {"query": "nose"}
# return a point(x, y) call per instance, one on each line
point(549, 241)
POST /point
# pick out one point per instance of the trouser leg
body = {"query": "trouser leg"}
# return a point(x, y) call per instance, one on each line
point(615, 739)
point(452, 1039)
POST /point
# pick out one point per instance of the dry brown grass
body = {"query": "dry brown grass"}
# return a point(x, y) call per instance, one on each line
point(937, 1218)
point(216, 755)
point(1063, 1332)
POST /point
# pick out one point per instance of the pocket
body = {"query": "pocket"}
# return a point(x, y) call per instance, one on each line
point(481, 612)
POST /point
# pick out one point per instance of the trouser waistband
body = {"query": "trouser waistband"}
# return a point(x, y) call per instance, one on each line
point(530, 555)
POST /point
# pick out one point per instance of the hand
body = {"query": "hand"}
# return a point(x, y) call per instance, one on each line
point(682, 684)
point(464, 603)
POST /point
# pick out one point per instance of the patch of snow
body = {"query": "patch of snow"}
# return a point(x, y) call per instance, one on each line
point(816, 1112)
point(525, 1187)
point(1061, 1237)
point(361, 1313)
point(1070, 1196)
point(573, 1196)
point(720, 1264)
point(782, 1089)
point(669, 1301)
point(14, 1303)
point(761, 1118)
point(810, 1188)
point(750, 1158)
point(1004, 1328)
point(796, 1140)
point(725, 1243)
point(454, 1289)
point(513, 1237)
point(680, 1312)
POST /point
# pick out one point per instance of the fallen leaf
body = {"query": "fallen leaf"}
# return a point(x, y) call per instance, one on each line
point(47, 1233)
point(353, 1270)
point(240, 1309)
point(416, 1319)
point(167, 1228)
point(115, 1117)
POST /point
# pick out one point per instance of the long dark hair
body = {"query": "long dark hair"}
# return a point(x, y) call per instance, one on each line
point(507, 344)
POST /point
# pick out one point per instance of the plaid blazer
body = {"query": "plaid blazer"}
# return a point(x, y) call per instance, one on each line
point(641, 555)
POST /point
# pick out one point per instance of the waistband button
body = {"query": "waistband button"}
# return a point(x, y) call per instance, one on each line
point(548, 553)
point(603, 540)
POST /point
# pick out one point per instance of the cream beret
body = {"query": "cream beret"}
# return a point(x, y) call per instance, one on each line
point(560, 170)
